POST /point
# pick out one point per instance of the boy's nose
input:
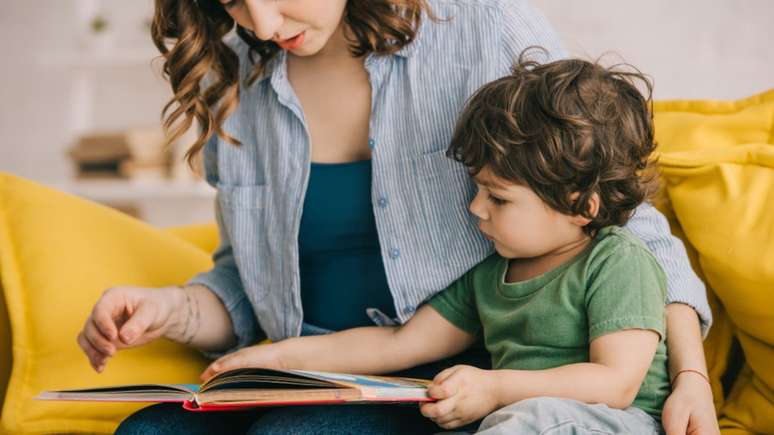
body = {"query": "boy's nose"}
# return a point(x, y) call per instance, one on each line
point(266, 17)
point(477, 206)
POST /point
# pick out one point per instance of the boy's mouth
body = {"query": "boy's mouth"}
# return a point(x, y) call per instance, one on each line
point(486, 235)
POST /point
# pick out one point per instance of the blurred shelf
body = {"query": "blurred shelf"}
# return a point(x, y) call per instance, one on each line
point(127, 191)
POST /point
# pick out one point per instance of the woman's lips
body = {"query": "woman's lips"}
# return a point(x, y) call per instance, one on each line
point(292, 43)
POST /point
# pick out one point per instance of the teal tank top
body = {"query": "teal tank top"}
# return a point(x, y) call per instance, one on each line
point(342, 273)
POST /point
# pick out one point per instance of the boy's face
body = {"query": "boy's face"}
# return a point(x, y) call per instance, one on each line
point(519, 223)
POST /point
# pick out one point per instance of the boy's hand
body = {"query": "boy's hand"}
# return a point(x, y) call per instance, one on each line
point(259, 355)
point(465, 394)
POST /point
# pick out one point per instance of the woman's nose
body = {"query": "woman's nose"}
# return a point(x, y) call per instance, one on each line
point(266, 17)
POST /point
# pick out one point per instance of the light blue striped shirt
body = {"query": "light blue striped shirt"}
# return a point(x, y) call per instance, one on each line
point(420, 197)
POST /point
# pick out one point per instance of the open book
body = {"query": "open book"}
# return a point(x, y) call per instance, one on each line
point(245, 388)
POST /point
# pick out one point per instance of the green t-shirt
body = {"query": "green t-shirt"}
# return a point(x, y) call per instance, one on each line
point(550, 320)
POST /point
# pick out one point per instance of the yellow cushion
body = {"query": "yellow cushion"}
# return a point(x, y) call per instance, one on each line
point(57, 254)
point(717, 159)
point(684, 125)
point(747, 411)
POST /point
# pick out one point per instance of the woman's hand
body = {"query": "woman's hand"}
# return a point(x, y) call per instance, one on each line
point(125, 317)
point(260, 355)
point(465, 394)
point(689, 409)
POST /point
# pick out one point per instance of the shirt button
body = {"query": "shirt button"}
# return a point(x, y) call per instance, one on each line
point(394, 253)
point(409, 311)
point(382, 202)
point(371, 143)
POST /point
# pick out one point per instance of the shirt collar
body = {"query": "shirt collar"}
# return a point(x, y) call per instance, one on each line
point(275, 65)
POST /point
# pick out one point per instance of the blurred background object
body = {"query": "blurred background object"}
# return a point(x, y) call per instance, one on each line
point(79, 73)
point(82, 96)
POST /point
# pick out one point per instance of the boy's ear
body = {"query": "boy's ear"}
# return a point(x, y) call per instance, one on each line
point(593, 208)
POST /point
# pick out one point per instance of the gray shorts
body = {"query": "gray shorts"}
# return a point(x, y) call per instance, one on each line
point(554, 416)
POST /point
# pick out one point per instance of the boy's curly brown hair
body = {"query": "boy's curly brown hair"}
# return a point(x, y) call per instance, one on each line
point(568, 129)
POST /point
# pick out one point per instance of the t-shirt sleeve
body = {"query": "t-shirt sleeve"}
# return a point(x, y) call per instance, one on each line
point(627, 291)
point(457, 304)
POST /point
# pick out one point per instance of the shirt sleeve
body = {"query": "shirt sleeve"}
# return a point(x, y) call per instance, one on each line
point(457, 304)
point(627, 291)
point(523, 27)
point(683, 285)
point(223, 279)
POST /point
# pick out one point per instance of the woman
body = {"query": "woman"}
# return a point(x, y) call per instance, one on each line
point(327, 123)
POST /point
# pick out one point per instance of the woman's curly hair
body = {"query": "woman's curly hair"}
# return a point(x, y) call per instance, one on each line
point(568, 129)
point(189, 34)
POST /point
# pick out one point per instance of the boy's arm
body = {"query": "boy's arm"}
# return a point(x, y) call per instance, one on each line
point(618, 364)
point(426, 337)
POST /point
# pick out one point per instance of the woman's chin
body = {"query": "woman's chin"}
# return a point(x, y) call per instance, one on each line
point(308, 48)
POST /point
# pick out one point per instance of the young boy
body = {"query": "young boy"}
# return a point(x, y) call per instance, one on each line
point(571, 307)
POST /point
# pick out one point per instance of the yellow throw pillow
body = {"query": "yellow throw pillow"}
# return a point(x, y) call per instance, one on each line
point(57, 254)
point(685, 125)
point(721, 125)
point(723, 198)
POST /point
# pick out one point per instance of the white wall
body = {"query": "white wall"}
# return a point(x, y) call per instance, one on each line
point(693, 49)
point(37, 80)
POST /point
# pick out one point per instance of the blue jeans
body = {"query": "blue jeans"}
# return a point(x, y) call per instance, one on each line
point(171, 418)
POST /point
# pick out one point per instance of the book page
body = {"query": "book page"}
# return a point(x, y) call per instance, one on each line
point(126, 393)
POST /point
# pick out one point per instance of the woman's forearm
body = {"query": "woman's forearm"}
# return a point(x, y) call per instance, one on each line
point(684, 344)
point(199, 319)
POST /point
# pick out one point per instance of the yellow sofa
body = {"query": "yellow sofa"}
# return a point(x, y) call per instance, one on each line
point(58, 253)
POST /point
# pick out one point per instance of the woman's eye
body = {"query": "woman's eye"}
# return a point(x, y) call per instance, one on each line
point(495, 200)
point(229, 4)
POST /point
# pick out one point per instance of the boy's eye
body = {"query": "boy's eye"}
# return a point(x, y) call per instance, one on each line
point(495, 200)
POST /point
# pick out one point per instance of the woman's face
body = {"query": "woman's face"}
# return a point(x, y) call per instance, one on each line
point(302, 27)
